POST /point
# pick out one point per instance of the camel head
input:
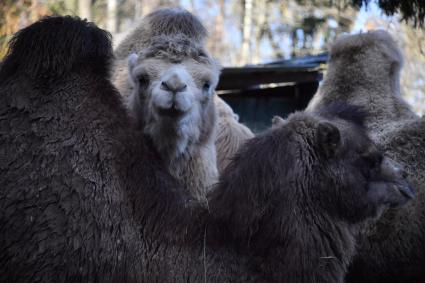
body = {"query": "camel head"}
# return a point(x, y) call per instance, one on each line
point(173, 85)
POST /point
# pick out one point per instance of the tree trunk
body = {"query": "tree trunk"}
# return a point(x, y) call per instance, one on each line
point(277, 52)
point(260, 25)
point(71, 5)
point(246, 32)
point(217, 40)
point(138, 10)
point(112, 17)
point(84, 9)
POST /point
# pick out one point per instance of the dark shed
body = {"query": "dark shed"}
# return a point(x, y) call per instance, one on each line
point(259, 92)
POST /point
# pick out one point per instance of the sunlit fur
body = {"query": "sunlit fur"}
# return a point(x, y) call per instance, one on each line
point(231, 134)
point(162, 22)
point(364, 70)
point(175, 36)
point(168, 47)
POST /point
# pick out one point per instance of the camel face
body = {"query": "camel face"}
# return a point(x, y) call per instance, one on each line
point(389, 185)
point(344, 164)
point(176, 97)
point(175, 90)
point(170, 94)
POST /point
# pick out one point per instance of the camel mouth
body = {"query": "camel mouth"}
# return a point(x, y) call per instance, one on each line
point(405, 194)
point(171, 112)
point(392, 194)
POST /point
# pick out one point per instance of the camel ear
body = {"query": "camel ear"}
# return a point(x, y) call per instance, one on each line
point(132, 60)
point(329, 138)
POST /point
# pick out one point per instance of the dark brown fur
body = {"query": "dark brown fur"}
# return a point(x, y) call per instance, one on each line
point(312, 182)
point(84, 198)
point(394, 251)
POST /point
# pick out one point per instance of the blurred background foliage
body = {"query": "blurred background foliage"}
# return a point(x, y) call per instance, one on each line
point(254, 31)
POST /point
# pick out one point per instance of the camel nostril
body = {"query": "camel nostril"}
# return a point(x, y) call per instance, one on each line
point(165, 86)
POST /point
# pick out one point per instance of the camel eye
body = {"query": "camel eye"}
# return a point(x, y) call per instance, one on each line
point(202, 54)
point(207, 86)
point(143, 79)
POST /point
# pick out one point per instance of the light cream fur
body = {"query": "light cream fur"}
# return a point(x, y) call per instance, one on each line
point(162, 22)
point(230, 134)
point(364, 70)
point(167, 47)
point(166, 38)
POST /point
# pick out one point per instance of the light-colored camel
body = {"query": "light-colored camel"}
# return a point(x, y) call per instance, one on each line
point(168, 80)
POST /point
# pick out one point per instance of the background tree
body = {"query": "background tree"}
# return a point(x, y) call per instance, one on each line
point(84, 9)
point(252, 32)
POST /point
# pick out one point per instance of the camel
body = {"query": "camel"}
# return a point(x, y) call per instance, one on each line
point(364, 70)
point(169, 45)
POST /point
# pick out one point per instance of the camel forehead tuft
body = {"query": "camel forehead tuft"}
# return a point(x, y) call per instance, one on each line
point(171, 21)
point(175, 49)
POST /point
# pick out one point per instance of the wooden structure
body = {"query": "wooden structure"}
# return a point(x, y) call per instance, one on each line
point(257, 93)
